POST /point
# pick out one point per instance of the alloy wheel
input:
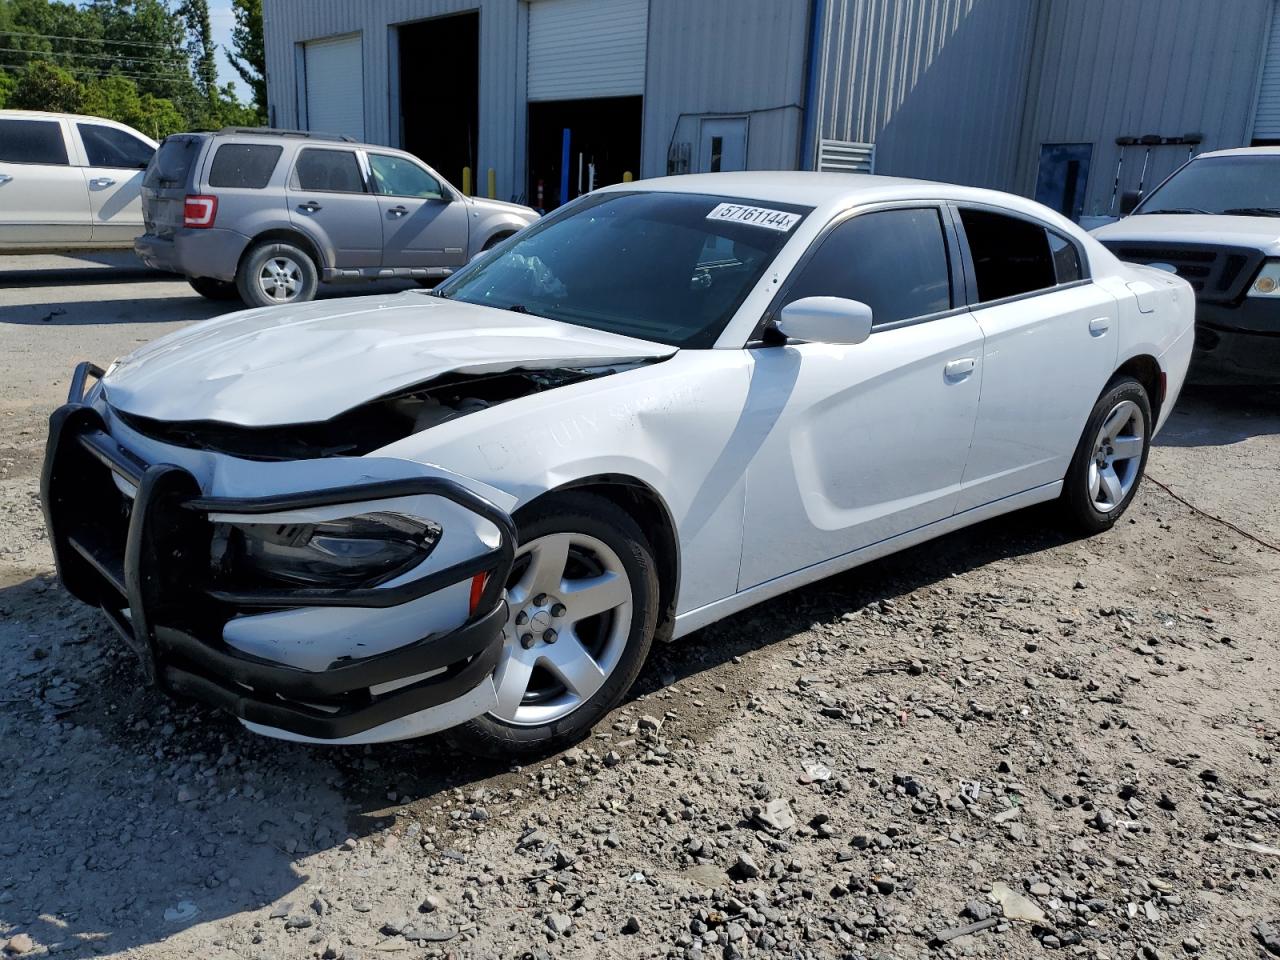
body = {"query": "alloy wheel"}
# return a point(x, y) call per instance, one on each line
point(1117, 456)
point(280, 279)
point(571, 608)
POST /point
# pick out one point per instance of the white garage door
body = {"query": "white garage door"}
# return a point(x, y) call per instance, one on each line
point(586, 48)
point(1266, 123)
point(335, 86)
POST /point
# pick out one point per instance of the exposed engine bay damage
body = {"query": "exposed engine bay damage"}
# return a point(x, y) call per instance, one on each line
point(371, 425)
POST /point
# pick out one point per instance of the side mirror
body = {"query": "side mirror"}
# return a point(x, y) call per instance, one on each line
point(1128, 200)
point(825, 320)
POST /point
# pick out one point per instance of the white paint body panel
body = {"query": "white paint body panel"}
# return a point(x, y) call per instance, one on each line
point(776, 465)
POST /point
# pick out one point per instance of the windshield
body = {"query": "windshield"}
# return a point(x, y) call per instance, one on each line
point(1247, 186)
point(670, 267)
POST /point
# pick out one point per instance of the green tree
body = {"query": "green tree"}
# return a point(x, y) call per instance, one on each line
point(248, 52)
point(7, 82)
point(43, 86)
point(201, 48)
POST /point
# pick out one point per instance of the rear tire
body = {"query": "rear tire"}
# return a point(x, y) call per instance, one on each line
point(548, 695)
point(1110, 459)
point(273, 273)
point(212, 289)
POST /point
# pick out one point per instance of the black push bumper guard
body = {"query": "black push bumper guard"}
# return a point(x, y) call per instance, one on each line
point(150, 556)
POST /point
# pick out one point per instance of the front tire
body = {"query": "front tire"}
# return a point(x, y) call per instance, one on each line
point(1110, 459)
point(212, 289)
point(584, 607)
point(274, 273)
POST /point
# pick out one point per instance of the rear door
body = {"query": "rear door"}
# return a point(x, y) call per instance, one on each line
point(423, 224)
point(329, 199)
point(165, 184)
point(114, 163)
point(1050, 348)
point(43, 198)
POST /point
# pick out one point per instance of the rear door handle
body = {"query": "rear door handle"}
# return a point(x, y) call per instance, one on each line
point(310, 206)
point(397, 212)
point(5, 178)
point(959, 369)
point(102, 182)
point(1099, 325)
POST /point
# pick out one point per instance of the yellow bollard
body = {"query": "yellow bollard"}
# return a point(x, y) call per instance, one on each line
point(466, 181)
point(493, 184)
point(626, 177)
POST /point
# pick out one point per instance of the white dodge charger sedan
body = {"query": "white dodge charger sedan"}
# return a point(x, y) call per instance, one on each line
point(365, 520)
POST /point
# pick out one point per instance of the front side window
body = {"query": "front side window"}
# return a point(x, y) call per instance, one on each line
point(247, 165)
point(332, 171)
point(1011, 256)
point(894, 261)
point(668, 267)
point(398, 177)
point(109, 147)
point(32, 141)
point(1241, 185)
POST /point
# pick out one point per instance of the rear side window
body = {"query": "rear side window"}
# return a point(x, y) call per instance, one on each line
point(1066, 258)
point(109, 147)
point(32, 141)
point(172, 162)
point(895, 261)
point(244, 165)
point(1010, 256)
point(334, 171)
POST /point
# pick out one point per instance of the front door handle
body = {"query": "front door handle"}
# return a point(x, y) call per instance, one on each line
point(102, 182)
point(1099, 325)
point(5, 178)
point(310, 206)
point(959, 369)
point(397, 212)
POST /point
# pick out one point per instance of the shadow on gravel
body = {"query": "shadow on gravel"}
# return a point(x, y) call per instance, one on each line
point(127, 817)
point(73, 313)
point(74, 276)
point(1216, 416)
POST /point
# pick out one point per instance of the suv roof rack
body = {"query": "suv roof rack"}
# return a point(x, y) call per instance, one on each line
point(280, 132)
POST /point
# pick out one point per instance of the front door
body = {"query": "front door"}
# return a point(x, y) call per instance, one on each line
point(1050, 348)
point(328, 199)
point(867, 441)
point(114, 161)
point(423, 223)
point(724, 145)
point(42, 197)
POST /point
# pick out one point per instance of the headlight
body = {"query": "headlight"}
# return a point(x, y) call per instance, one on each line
point(1267, 282)
point(360, 551)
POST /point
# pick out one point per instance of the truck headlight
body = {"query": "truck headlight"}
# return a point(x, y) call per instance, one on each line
point(359, 551)
point(1267, 282)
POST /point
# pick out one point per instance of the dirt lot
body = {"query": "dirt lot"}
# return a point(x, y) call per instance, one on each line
point(1068, 744)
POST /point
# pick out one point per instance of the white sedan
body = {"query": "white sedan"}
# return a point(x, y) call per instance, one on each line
point(365, 520)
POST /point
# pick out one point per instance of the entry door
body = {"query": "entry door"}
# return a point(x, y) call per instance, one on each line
point(864, 441)
point(42, 197)
point(115, 162)
point(724, 145)
point(423, 224)
point(1050, 349)
point(327, 198)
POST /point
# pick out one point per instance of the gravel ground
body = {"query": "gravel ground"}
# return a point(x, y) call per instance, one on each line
point(1001, 743)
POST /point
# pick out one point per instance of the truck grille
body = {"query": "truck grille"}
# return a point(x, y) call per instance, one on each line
point(1216, 273)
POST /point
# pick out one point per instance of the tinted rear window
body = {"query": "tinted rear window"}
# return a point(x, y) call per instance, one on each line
point(335, 171)
point(172, 162)
point(32, 141)
point(1011, 256)
point(243, 165)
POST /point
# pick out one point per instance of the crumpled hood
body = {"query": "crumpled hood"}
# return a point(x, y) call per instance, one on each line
point(1260, 233)
point(313, 361)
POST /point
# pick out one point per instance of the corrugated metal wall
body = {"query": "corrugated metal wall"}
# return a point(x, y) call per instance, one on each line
point(1114, 68)
point(937, 85)
point(502, 78)
point(725, 57)
point(1266, 121)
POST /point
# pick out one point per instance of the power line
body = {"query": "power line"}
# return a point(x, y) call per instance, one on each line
point(55, 36)
point(114, 58)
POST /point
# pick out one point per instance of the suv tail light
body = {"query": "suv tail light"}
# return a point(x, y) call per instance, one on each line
point(199, 211)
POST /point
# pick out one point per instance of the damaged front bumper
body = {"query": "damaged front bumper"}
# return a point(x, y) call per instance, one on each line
point(134, 538)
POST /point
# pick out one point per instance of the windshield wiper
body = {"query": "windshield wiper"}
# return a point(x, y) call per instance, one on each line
point(1179, 210)
point(1253, 211)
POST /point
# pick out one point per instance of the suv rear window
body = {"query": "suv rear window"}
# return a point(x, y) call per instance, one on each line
point(172, 162)
point(32, 141)
point(243, 165)
point(335, 171)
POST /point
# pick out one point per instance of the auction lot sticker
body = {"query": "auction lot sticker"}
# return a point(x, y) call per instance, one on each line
point(756, 216)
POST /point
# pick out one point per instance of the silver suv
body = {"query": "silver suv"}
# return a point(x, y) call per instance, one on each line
point(267, 215)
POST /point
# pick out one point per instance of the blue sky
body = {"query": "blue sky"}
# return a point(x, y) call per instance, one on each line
point(223, 20)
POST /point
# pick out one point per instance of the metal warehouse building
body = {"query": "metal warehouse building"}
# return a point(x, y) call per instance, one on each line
point(1070, 101)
